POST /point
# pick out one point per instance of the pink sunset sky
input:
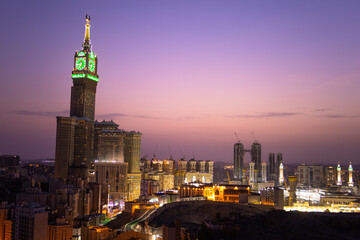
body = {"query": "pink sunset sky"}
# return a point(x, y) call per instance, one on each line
point(188, 74)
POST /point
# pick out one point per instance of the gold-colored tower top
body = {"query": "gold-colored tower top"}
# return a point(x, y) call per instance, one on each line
point(87, 44)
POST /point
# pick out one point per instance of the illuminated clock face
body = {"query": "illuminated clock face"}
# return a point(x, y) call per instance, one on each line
point(80, 63)
point(92, 65)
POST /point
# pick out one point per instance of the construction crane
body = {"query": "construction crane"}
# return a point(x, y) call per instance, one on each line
point(169, 149)
point(238, 140)
point(154, 155)
point(253, 135)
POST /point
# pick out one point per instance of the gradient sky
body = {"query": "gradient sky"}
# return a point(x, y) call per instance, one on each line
point(188, 74)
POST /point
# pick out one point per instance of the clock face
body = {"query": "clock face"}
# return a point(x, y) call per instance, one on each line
point(92, 65)
point(80, 63)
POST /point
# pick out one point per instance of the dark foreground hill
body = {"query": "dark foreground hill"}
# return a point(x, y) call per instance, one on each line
point(212, 220)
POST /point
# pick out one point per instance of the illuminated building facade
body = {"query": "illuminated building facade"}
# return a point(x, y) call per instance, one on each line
point(221, 193)
point(132, 151)
point(5, 229)
point(338, 182)
point(114, 175)
point(311, 175)
point(109, 141)
point(272, 196)
point(264, 172)
point(281, 174)
point(330, 176)
point(350, 182)
point(60, 230)
point(279, 159)
point(252, 172)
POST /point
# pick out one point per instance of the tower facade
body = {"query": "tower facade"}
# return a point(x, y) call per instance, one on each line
point(351, 182)
point(252, 172)
point(263, 172)
point(279, 158)
point(281, 174)
point(132, 151)
point(85, 79)
point(256, 155)
point(338, 182)
point(238, 160)
point(272, 163)
point(75, 134)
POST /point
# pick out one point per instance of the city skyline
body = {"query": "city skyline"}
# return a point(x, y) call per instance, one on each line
point(188, 75)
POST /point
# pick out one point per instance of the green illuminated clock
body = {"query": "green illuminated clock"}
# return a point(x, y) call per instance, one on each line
point(91, 65)
point(80, 63)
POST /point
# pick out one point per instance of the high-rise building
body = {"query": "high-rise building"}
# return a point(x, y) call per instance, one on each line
point(132, 157)
point(252, 172)
point(9, 161)
point(281, 174)
point(112, 174)
point(263, 172)
point(350, 182)
point(338, 182)
point(330, 176)
point(191, 165)
point(310, 175)
point(74, 136)
point(256, 155)
point(64, 153)
point(238, 160)
point(279, 159)
point(272, 163)
point(108, 141)
point(30, 222)
point(59, 230)
point(132, 151)
point(85, 79)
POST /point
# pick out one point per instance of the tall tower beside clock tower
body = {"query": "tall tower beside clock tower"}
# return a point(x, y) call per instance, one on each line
point(85, 79)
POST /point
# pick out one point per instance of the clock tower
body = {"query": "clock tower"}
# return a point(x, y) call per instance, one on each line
point(85, 79)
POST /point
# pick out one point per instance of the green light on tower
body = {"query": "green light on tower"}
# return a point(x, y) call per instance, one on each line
point(93, 78)
point(78, 75)
point(81, 54)
point(91, 65)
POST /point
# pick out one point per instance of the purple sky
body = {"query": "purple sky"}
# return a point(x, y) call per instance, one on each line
point(188, 74)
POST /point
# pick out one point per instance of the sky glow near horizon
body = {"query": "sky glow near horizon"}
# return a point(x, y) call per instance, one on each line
point(188, 74)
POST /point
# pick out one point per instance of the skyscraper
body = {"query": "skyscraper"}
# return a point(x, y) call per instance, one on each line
point(132, 157)
point(272, 163)
point(75, 134)
point(279, 158)
point(256, 155)
point(132, 151)
point(109, 141)
point(85, 79)
point(238, 160)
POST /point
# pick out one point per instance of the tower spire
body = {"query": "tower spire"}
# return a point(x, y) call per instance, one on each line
point(87, 45)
